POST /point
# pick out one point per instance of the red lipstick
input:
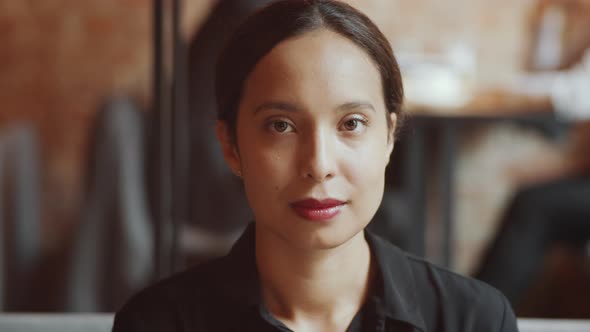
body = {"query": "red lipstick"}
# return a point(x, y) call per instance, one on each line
point(317, 210)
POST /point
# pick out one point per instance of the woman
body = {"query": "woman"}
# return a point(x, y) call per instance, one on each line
point(309, 97)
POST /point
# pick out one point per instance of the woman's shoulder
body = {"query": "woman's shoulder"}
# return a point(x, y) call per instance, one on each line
point(467, 304)
point(158, 306)
point(454, 282)
point(436, 296)
point(195, 279)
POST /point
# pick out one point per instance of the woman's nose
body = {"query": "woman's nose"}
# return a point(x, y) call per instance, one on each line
point(317, 157)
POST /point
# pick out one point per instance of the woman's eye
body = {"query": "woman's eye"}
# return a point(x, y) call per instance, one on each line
point(281, 126)
point(353, 124)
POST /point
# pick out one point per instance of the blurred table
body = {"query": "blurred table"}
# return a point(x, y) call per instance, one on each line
point(445, 124)
point(62, 322)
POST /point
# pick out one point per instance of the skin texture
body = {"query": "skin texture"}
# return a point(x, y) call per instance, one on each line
point(311, 124)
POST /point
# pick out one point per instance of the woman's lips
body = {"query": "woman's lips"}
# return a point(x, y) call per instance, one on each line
point(317, 210)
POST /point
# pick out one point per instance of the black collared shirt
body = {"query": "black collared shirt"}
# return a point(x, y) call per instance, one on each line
point(224, 295)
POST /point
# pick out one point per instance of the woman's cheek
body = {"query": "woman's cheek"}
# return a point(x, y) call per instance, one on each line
point(271, 168)
point(366, 161)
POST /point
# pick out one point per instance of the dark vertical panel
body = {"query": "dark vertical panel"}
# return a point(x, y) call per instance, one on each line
point(162, 131)
point(448, 161)
point(415, 184)
point(181, 138)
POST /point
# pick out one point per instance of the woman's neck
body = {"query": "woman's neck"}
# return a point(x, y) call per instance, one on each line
point(319, 287)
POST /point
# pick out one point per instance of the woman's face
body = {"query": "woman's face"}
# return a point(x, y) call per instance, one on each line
point(312, 141)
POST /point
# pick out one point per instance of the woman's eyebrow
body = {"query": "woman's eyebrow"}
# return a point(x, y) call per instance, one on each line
point(353, 105)
point(284, 106)
point(277, 105)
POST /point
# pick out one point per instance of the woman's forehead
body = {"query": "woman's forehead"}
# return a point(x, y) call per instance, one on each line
point(315, 52)
point(318, 65)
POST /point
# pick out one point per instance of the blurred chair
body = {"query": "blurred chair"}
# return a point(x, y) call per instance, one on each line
point(20, 241)
point(538, 217)
point(113, 253)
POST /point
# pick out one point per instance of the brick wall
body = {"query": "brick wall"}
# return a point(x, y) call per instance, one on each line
point(58, 60)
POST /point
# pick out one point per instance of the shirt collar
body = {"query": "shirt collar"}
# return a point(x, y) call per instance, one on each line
point(399, 297)
point(241, 285)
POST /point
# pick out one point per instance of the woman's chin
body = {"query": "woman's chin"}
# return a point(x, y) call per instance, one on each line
point(325, 238)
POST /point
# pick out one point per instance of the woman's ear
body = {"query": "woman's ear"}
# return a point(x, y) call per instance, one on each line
point(230, 151)
point(391, 135)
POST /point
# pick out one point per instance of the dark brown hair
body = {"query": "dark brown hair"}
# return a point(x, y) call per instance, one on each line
point(285, 19)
